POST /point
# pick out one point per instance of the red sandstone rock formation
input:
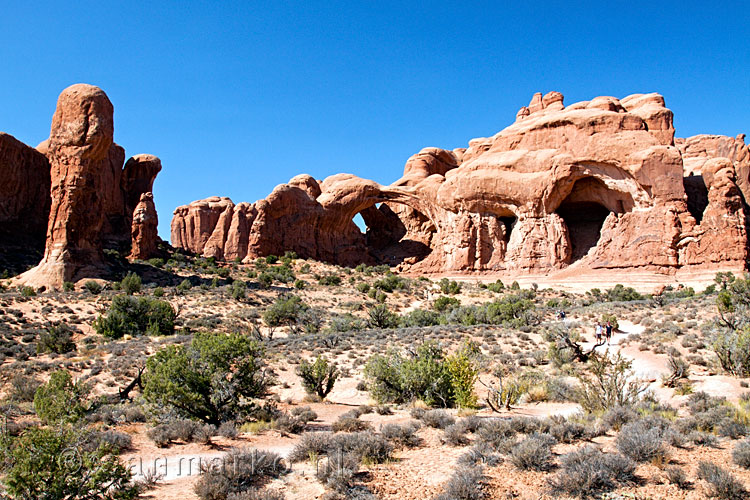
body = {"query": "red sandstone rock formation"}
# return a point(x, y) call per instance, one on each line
point(600, 183)
point(144, 233)
point(89, 197)
point(24, 191)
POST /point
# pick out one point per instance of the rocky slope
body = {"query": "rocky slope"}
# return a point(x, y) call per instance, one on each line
point(600, 182)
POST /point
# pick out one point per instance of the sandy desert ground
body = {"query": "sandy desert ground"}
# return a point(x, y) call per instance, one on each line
point(679, 323)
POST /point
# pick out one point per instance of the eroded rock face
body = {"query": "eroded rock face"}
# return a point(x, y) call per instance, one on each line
point(89, 193)
point(24, 202)
point(599, 184)
point(144, 232)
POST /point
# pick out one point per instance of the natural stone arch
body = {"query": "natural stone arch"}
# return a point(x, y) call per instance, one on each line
point(588, 203)
point(397, 233)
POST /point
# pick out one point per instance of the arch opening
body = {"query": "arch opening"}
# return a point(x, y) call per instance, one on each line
point(584, 211)
point(396, 233)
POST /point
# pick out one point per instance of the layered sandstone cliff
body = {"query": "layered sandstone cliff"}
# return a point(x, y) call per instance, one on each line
point(71, 196)
point(602, 183)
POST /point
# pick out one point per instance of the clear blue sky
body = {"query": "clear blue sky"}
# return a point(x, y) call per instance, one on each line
point(237, 97)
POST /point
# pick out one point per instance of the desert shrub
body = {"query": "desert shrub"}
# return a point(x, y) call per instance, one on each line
point(364, 445)
point(23, 388)
point(703, 439)
point(185, 285)
point(559, 390)
point(526, 425)
point(349, 423)
point(497, 287)
point(284, 311)
point(204, 433)
point(741, 454)
point(728, 427)
point(621, 293)
point(449, 287)
point(516, 310)
point(27, 291)
point(318, 377)
point(37, 466)
point(439, 419)
point(338, 471)
point(131, 283)
point(611, 318)
point(160, 435)
point(455, 435)
point(390, 282)
point(402, 435)
point(723, 484)
point(310, 446)
point(265, 280)
point(211, 379)
point(158, 292)
point(383, 410)
point(304, 413)
point(420, 318)
point(56, 338)
point(238, 471)
point(61, 399)
point(380, 316)
point(238, 290)
point(589, 471)
point(184, 430)
point(702, 402)
point(93, 287)
point(609, 383)
point(464, 484)
point(495, 432)
point(135, 316)
point(618, 416)
point(732, 338)
point(257, 494)
point(330, 280)
point(533, 453)
point(397, 379)
point(427, 375)
point(642, 442)
point(464, 371)
point(272, 259)
point(480, 454)
point(677, 476)
point(567, 431)
point(732, 347)
point(117, 441)
point(443, 303)
point(293, 423)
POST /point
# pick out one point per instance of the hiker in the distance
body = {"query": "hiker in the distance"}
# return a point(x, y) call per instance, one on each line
point(598, 333)
point(608, 331)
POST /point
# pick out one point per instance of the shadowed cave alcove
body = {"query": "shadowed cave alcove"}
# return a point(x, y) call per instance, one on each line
point(509, 222)
point(585, 209)
point(397, 234)
point(697, 195)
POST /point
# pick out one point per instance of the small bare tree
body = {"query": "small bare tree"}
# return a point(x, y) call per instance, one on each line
point(504, 393)
point(564, 339)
